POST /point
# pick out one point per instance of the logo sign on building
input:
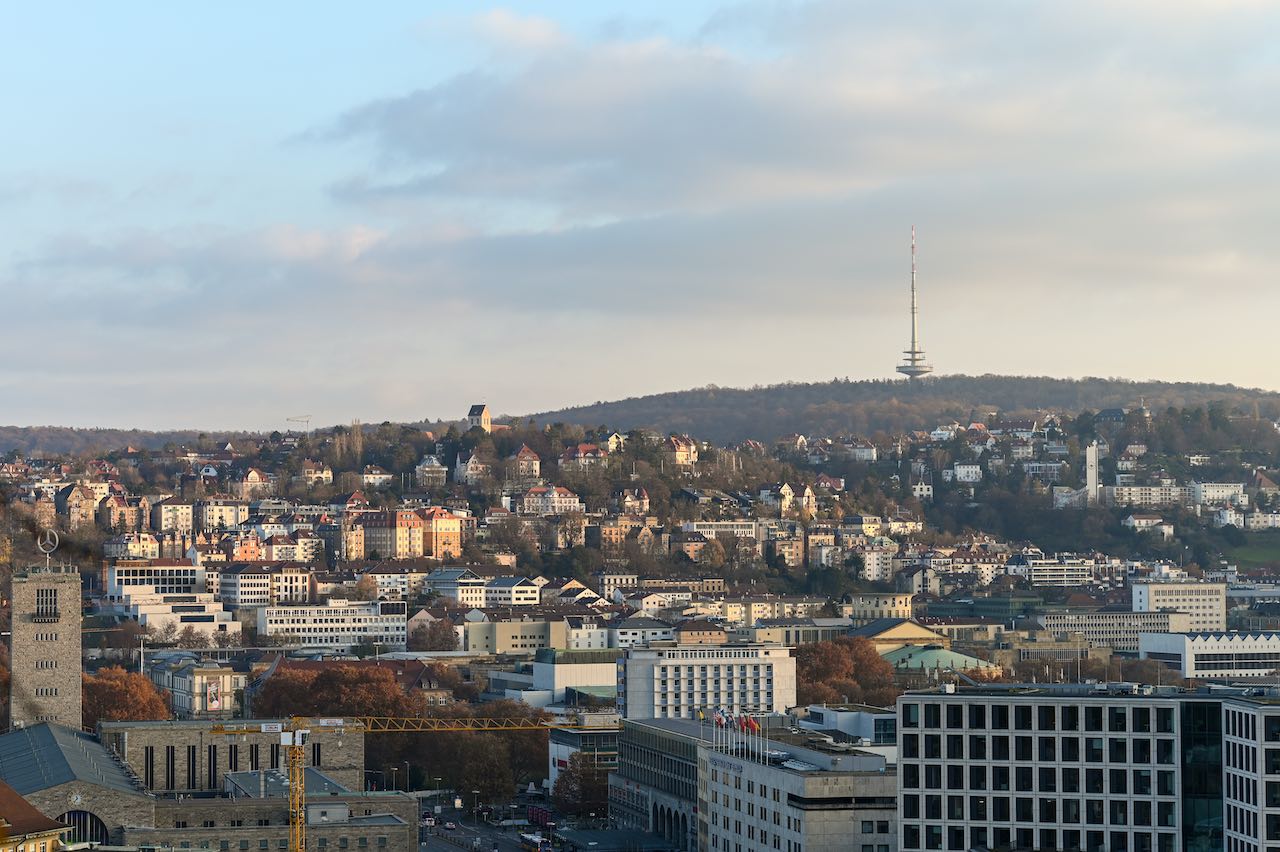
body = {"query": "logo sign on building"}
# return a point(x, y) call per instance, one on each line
point(212, 698)
point(272, 727)
point(329, 723)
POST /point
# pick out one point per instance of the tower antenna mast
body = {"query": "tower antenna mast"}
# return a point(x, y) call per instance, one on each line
point(914, 365)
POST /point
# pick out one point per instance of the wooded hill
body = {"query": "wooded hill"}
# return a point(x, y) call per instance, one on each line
point(727, 415)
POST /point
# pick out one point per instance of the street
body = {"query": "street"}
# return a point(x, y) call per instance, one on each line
point(438, 839)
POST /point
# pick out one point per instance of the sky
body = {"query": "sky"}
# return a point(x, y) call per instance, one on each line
point(225, 216)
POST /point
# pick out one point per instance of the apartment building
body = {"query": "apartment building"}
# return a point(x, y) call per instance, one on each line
point(1206, 603)
point(1147, 496)
point(1062, 571)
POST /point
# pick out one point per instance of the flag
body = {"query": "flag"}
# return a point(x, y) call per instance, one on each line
point(719, 718)
point(742, 722)
point(702, 717)
point(754, 725)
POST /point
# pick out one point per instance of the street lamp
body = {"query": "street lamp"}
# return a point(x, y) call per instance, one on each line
point(394, 785)
point(406, 776)
point(475, 806)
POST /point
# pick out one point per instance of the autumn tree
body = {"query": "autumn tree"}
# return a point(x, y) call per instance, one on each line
point(114, 694)
point(844, 670)
point(582, 786)
point(366, 589)
point(436, 636)
point(4, 696)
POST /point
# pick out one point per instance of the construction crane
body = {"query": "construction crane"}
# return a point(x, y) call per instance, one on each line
point(305, 420)
point(295, 731)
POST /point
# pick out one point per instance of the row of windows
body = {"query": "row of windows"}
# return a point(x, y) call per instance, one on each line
point(1026, 779)
point(934, 836)
point(1041, 749)
point(1043, 810)
point(1047, 717)
point(283, 843)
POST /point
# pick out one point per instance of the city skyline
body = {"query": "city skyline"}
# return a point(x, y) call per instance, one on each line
point(406, 212)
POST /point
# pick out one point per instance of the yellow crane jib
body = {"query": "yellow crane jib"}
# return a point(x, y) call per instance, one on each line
point(295, 731)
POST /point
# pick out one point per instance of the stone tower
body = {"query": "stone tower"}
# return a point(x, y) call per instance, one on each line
point(44, 650)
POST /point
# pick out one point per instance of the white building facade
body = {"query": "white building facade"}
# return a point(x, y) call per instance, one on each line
point(675, 681)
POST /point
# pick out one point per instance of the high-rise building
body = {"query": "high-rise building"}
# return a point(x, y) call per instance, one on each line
point(44, 651)
point(913, 365)
point(1089, 768)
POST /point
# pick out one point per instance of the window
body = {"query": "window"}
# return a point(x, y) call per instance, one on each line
point(1093, 718)
point(1000, 717)
point(1117, 720)
point(1022, 718)
point(1070, 719)
point(1046, 718)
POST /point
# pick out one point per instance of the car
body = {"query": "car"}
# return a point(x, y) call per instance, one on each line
point(450, 826)
point(429, 821)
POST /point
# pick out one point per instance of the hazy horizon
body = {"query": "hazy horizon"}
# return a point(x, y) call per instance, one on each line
point(220, 218)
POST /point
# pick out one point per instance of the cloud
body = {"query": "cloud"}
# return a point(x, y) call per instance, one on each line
point(849, 100)
point(589, 212)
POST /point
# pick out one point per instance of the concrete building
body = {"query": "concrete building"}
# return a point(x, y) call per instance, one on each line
point(1216, 656)
point(44, 649)
point(1147, 496)
point(339, 624)
point(865, 607)
point(158, 611)
point(512, 636)
point(1206, 603)
point(163, 576)
point(1115, 629)
point(598, 742)
point(797, 793)
point(1030, 767)
point(699, 788)
point(1218, 493)
point(1061, 571)
point(666, 680)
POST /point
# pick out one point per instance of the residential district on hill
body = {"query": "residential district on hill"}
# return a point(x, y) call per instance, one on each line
point(1046, 632)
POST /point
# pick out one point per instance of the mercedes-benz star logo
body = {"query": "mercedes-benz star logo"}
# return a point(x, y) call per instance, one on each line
point(48, 542)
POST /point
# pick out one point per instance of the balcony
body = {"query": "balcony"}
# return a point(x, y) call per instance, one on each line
point(46, 616)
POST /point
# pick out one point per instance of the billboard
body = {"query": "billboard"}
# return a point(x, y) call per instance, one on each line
point(212, 697)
